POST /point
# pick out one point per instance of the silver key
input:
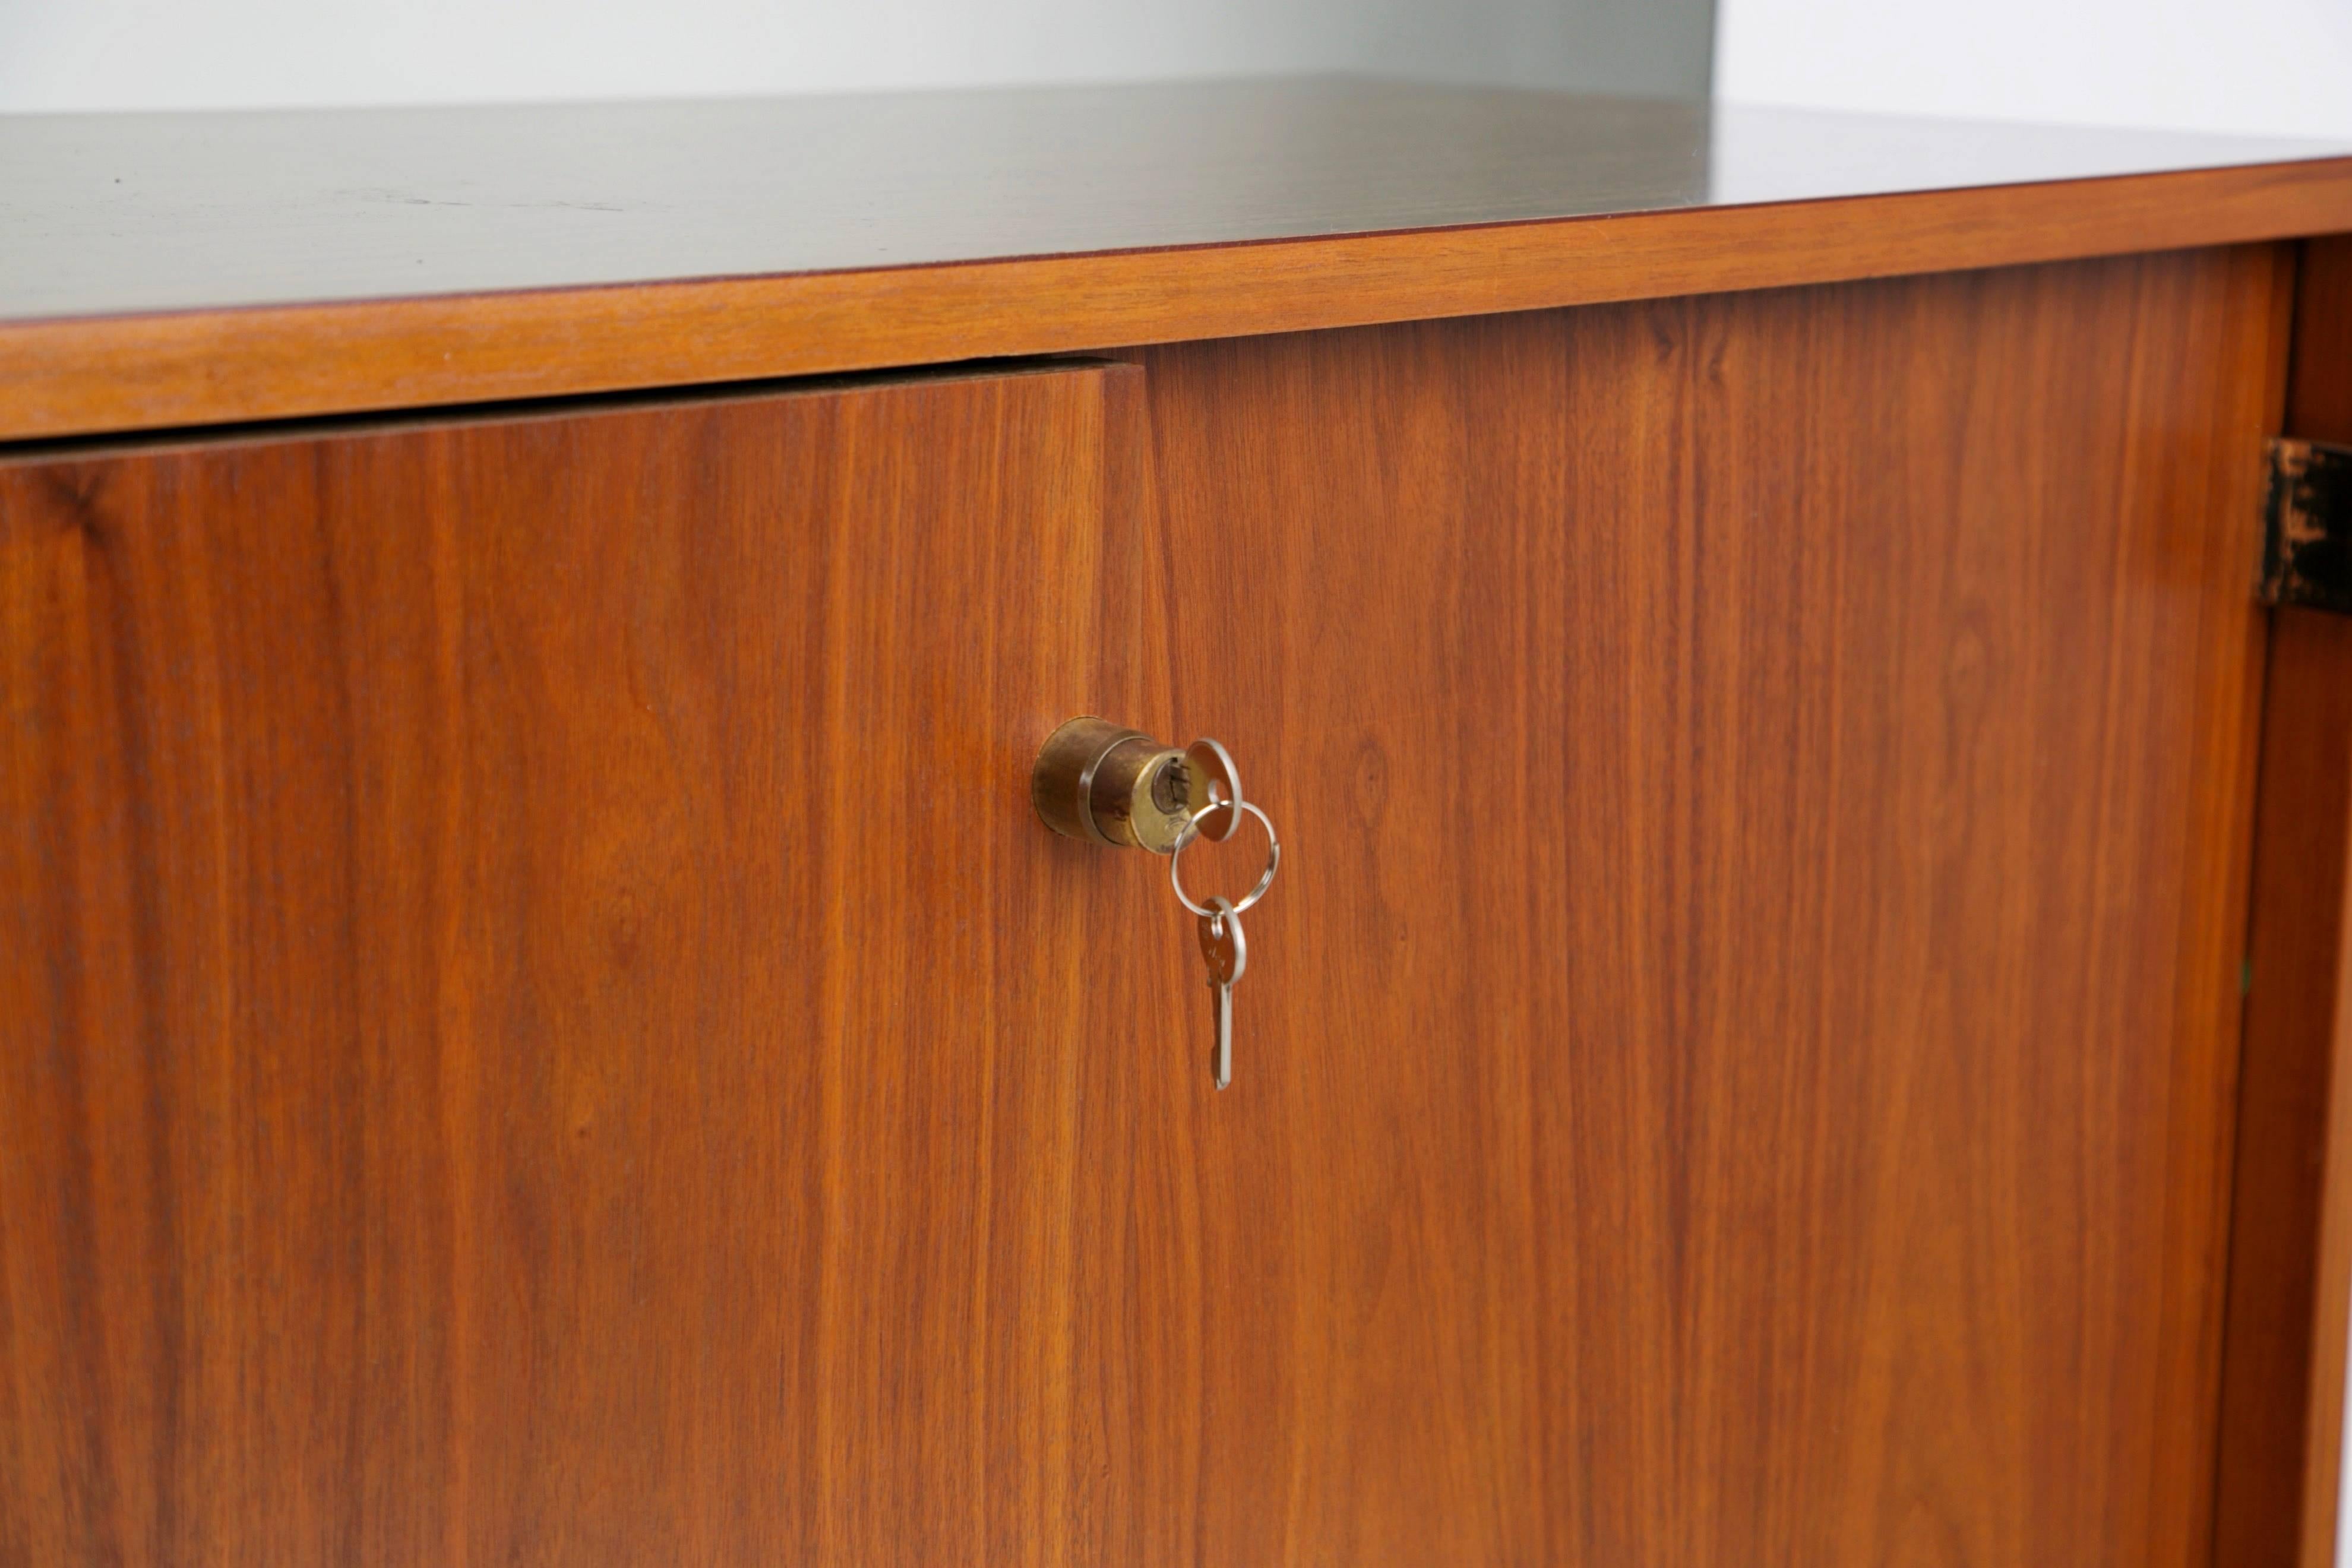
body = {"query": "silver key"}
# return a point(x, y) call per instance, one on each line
point(1227, 951)
point(1209, 762)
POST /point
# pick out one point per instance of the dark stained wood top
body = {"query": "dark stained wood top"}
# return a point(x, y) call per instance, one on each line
point(113, 221)
point(119, 214)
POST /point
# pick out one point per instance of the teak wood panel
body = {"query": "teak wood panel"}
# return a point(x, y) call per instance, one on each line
point(540, 1027)
point(553, 1034)
point(1739, 1068)
point(2276, 1503)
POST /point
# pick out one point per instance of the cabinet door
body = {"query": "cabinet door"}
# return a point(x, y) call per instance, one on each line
point(539, 1027)
point(1739, 1065)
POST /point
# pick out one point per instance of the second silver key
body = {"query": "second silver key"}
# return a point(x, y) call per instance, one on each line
point(1227, 952)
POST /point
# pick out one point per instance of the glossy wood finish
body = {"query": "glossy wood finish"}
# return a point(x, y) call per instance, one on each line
point(530, 1037)
point(559, 1038)
point(2319, 401)
point(176, 270)
point(2282, 1402)
point(1738, 1068)
point(2291, 1232)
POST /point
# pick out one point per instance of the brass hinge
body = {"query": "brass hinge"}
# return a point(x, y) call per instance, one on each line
point(2307, 526)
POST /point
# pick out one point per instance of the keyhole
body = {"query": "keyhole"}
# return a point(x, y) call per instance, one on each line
point(1168, 792)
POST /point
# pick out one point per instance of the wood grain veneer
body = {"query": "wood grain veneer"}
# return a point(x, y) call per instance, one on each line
point(528, 1038)
point(185, 270)
point(548, 1031)
point(1740, 1066)
point(2291, 1230)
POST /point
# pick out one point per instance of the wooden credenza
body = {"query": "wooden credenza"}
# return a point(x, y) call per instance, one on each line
point(1798, 1020)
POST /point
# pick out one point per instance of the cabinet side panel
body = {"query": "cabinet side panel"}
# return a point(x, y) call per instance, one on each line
point(2291, 1244)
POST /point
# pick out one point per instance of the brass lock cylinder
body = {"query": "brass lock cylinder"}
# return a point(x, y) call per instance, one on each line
point(1110, 785)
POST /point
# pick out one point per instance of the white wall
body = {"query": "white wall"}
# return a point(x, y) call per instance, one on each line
point(2282, 67)
point(132, 54)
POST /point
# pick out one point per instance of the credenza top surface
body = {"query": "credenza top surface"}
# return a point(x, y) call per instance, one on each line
point(127, 213)
point(167, 270)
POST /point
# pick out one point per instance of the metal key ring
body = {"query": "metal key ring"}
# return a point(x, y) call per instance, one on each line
point(1273, 855)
